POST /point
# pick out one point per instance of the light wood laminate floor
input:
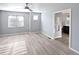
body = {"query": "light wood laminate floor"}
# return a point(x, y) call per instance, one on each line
point(32, 44)
point(64, 39)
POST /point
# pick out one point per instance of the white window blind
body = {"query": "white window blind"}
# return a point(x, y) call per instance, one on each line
point(12, 21)
point(20, 21)
point(15, 21)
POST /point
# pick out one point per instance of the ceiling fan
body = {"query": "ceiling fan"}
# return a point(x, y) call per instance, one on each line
point(27, 6)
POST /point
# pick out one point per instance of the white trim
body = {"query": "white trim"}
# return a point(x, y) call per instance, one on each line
point(13, 34)
point(47, 35)
point(70, 30)
point(3, 35)
point(74, 50)
point(20, 33)
point(58, 37)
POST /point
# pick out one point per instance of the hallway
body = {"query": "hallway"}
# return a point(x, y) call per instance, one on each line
point(64, 40)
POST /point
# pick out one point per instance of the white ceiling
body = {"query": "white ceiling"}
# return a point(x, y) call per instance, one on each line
point(19, 7)
point(36, 7)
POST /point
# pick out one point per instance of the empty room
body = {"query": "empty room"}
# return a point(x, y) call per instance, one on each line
point(39, 28)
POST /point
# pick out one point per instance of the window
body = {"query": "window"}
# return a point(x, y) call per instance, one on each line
point(20, 21)
point(11, 21)
point(35, 17)
point(15, 21)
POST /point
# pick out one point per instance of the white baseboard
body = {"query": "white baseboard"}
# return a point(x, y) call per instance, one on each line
point(74, 50)
point(47, 35)
point(3, 35)
point(58, 37)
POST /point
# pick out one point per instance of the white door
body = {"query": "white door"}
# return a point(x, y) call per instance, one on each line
point(58, 25)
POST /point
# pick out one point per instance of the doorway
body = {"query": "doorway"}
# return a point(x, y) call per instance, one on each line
point(63, 26)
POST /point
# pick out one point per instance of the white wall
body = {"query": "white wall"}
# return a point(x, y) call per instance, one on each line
point(47, 25)
point(48, 10)
point(48, 20)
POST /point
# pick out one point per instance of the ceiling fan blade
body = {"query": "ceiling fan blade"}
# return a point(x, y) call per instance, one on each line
point(30, 9)
point(27, 7)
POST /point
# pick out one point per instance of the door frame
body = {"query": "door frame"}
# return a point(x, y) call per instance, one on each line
point(70, 28)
